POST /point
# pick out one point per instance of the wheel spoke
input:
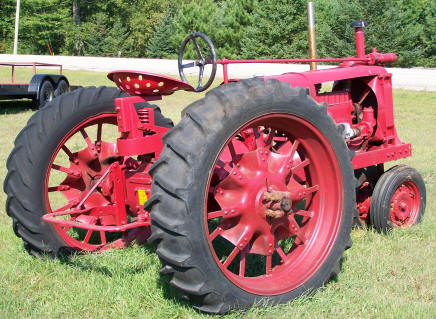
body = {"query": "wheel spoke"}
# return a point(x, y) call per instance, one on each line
point(270, 138)
point(224, 165)
point(215, 233)
point(294, 149)
point(68, 152)
point(232, 256)
point(103, 237)
point(60, 168)
point(87, 236)
point(197, 48)
point(281, 253)
point(189, 65)
point(88, 141)
point(305, 213)
point(242, 263)
point(200, 75)
point(56, 188)
point(226, 213)
point(286, 165)
point(268, 264)
point(99, 131)
point(301, 165)
point(232, 151)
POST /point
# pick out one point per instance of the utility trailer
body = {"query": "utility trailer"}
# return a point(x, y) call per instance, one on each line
point(41, 88)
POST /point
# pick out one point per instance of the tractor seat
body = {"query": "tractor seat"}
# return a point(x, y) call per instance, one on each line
point(147, 84)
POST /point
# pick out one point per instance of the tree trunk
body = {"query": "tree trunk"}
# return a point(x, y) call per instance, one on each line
point(76, 12)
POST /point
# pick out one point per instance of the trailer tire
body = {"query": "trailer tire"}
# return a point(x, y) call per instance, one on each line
point(46, 94)
point(61, 88)
point(27, 165)
point(182, 190)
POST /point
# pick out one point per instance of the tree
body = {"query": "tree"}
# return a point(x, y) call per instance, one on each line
point(278, 30)
point(7, 18)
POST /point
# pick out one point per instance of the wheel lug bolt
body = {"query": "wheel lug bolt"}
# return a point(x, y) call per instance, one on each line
point(270, 252)
point(233, 211)
point(241, 245)
point(226, 212)
point(270, 244)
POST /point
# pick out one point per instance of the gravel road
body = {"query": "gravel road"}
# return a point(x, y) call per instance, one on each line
point(412, 79)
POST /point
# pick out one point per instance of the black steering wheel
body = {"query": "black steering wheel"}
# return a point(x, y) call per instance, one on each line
point(201, 61)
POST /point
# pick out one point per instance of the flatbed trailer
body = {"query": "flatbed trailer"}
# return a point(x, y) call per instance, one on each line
point(41, 88)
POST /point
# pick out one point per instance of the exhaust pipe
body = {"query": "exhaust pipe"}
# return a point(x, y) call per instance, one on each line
point(311, 31)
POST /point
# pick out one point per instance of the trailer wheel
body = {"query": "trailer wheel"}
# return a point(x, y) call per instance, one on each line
point(46, 94)
point(56, 140)
point(61, 88)
point(252, 198)
point(398, 199)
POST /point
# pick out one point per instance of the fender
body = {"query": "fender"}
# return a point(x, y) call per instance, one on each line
point(38, 79)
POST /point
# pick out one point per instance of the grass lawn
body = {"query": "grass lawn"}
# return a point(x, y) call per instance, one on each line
point(383, 276)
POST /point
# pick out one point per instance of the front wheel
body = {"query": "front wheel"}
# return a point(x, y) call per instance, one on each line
point(252, 197)
point(398, 200)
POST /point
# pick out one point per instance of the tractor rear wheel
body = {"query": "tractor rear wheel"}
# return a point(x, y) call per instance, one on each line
point(252, 199)
point(398, 199)
point(50, 169)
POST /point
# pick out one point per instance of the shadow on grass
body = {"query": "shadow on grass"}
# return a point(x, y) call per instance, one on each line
point(80, 261)
point(16, 106)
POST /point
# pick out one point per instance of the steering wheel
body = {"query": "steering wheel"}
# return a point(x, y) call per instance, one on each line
point(200, 62)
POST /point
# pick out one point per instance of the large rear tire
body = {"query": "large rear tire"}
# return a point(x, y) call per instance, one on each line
point(36, 159)
point(252, 198)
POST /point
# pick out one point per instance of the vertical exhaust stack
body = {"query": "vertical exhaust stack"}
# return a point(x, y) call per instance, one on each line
point(311, 31)
point(358, 26)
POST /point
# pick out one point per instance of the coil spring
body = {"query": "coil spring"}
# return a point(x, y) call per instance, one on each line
point(144, 116)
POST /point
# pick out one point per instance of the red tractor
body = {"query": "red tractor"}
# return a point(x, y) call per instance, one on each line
point(250, 198)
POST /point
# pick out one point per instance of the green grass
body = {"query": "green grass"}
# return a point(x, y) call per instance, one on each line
point(383, 276)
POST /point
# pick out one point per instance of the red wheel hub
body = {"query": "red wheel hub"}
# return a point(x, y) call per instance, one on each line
point(274, 204)
point(404, 208)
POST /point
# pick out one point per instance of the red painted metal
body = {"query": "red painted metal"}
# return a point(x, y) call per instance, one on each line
point(244, 211)
point(361, 99)
point(100, 195)
point(138, 136)
point(404, 206)
point(24, 64)
point(147, 84)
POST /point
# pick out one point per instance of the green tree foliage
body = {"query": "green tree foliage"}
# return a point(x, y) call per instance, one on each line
point(7, 20)
point(235, 17)
point(160, 45)
point(279, 29)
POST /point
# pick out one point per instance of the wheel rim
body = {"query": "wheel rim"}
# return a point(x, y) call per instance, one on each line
point(272, 163)
point(47, 94)
point(86, 164)
point(405, 203)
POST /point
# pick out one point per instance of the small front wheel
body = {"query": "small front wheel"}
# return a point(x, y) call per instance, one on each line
point(398, 200)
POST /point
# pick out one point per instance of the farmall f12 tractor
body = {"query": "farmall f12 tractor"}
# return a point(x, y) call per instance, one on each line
point(250, 198)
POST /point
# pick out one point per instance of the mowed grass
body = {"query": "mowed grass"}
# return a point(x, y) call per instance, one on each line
point(383, 276)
